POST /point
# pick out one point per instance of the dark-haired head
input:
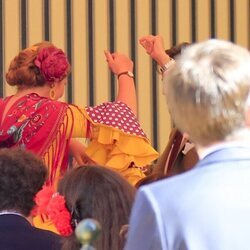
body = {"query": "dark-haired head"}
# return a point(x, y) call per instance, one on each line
point(22, 175)
point(99, 193)
point(176, 50)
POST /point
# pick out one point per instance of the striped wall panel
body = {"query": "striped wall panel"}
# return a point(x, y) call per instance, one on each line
point(70, 87)
point(85, 28)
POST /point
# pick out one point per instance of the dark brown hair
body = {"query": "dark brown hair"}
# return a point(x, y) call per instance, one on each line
point(99, 193)
point(22, 175)
point(176, 50)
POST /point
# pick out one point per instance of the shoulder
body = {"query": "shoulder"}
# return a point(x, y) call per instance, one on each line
point(164, 192)
point(14, 229)
point(4, 99)
point(47, 238)
point(76, 109)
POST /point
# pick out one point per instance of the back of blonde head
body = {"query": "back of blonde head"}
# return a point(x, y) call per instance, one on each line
point(207, 90)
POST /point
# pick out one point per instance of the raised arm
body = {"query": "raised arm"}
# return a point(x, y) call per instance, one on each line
point(122, 67)
point(154, 46)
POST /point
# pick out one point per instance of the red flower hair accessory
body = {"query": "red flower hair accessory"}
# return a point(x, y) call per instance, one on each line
point(53, 206)
point(53, 64)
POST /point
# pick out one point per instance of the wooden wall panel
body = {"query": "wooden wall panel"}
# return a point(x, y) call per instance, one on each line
point(222, 22)
point(203, 18)
point(164, 28)
point(80, 64)
point(184, 21)
point(242, 23)
point(101, 44)
point(11, 36)
point(58, 25)
point(142, 68)
point(122, 21)
point(35, 22)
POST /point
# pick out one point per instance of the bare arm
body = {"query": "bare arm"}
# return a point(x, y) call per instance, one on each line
point(120, 63)
point(154, 46)
point(77, 149)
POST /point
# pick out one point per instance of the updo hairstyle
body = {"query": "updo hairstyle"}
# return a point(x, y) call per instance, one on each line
point(23, 72)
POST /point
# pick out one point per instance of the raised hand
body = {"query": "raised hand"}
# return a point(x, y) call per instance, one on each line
point(154, 46)
point(118, 63)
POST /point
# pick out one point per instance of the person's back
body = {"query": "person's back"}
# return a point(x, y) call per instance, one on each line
point(207, 207)
point(34, 118)
point(21, 177)
point(16, 233)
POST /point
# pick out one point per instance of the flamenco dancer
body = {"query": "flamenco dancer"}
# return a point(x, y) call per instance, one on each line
point(34, 119)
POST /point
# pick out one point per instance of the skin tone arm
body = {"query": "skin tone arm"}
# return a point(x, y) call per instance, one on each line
point(77, 149)
point(154, 46)
point(119, 63)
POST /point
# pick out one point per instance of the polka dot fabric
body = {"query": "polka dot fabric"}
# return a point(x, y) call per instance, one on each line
point(117, 115)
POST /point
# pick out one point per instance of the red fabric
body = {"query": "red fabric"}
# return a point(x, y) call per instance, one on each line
point(34, 123)
point(117, 115)
point(53, 206)
point(175, 149)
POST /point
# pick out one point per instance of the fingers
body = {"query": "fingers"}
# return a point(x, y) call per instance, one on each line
point(88, 161)
point(118, 62)
point(185, 136)
point(116, 57)
point(148, 38)
point(147, 43)
point(109, 56)
point(78, 160)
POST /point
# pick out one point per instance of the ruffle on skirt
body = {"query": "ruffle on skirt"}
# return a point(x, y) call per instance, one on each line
point(118, 140)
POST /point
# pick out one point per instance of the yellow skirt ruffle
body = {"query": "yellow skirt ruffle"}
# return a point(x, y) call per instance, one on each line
point(115, 149)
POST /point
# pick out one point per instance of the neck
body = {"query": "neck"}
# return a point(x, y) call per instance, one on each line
point(41, 91)
point(240, 136)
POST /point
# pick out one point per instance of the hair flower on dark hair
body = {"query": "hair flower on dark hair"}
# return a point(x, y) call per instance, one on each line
point(52, 63)
point(52, 205)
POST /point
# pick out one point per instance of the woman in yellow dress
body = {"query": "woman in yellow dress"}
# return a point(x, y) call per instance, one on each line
point(34, 119)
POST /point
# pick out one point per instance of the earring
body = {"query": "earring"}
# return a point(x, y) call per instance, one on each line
point(52, 92)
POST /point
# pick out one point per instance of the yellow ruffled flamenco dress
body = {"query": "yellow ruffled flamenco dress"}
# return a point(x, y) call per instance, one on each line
point(116, 141)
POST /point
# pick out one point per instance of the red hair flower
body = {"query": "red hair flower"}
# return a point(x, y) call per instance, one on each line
point(53, 206)
point(63, 223)
point(43, 198)
point(53, 64)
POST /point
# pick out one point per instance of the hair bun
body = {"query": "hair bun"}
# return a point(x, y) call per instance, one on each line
point(53, 64)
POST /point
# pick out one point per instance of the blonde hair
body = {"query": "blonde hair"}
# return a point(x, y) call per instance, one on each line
point(207, 90)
